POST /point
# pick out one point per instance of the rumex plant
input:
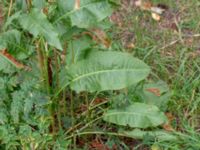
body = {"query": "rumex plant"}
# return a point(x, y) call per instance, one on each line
point(55, 58)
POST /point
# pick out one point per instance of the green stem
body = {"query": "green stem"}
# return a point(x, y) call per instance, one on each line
point(90, 123)
point(98, 132)
point(57, 87)
point(64, 103)
point(93, 107)
point(85, 126)
point(72, 107)
point(88, 107)
point(72, 117)
point(40, 60)
point(43, 63)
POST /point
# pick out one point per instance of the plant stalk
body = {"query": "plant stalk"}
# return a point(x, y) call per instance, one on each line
point(72, 117)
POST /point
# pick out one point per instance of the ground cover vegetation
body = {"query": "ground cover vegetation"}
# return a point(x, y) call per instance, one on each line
point(99, 74)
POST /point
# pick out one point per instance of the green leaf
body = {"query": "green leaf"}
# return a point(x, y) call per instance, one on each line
point(6, 66)
point(151, 97)
point(89, 14)
point(101, 71)
point(2, 84)
point(160, 135)
point(17, 105)
point(39, 3)
point(77, 49)
point(8, 136)
point(3, 115)
point(37, 24)
point(25, 131)
point(11, 19)
point(28, 105)
point(11, 37)
point(21, 5)
point(137, 115)
point(66, 6)
point(117, 2)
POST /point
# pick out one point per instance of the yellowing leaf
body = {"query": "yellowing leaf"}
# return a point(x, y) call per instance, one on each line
point(155, 147)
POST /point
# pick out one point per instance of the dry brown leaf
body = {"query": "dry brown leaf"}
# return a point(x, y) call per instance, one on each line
point(45, 11)
point(77, 4)
point(146, 6)
point(143, 5)
point(195, 54)
point(128, 39)
point(13, 60)
point(117, 19)
point(155, 16)
point(155, 91)
point(102, 37)
point(168, 126)
point(98, 36)
point(82, 108)
point(131, 46)
point(99, 100)
point(97, 145)
point(138, 3)
point(170, 116)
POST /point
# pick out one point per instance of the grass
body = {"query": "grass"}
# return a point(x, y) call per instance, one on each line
point(174, 56)
point(171, 47)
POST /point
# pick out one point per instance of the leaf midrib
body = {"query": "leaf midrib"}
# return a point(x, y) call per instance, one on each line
point(105, 71)
point(75, 10)
point(130, 113)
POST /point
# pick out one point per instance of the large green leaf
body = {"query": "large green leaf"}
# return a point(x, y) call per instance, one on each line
point(89, 13)
point(37, 23)
point(101, 71)
point(159, 135)
point(77, 49)
point(137, 115)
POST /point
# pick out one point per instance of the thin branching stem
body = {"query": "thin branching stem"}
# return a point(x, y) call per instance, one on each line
point(98, 133)
point(10, 8)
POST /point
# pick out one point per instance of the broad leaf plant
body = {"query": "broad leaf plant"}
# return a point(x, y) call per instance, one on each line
point(53, 60)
